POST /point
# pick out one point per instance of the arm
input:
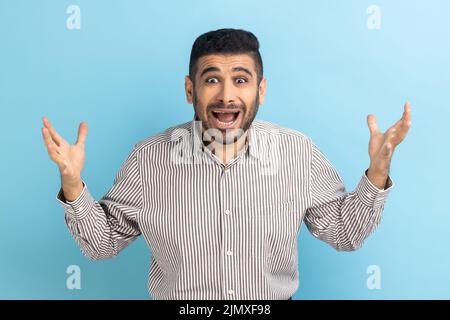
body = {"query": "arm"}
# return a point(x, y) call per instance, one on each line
point(102, 229)
point(345, 220)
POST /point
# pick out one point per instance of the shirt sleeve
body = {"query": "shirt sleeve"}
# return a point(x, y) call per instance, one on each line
point(342, 219)
point(103, 228)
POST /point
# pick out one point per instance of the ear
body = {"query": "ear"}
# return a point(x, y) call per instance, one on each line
point(189, 88)
point(262, 90)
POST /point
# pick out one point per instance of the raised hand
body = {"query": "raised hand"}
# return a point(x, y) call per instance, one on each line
point(382, 145)
point(69, 158)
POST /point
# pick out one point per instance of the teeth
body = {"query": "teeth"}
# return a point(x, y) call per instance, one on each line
point(229, 123)
point(224, 122)
point(225, 111)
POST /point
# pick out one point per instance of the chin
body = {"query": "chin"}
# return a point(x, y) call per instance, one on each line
point(224, 136)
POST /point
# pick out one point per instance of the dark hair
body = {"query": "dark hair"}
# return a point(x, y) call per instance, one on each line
point(226, 41)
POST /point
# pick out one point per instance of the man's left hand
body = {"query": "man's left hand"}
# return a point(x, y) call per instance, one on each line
point(382, 146)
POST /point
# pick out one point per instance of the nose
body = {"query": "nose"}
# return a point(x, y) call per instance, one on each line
point(227, 94)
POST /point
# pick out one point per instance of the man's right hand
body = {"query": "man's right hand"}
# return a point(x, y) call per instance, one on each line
point(69, 158)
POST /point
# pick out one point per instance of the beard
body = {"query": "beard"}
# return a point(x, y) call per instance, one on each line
point(227, 136)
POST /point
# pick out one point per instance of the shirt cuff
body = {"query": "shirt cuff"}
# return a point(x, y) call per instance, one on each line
point(80, 207)
point(370, 195)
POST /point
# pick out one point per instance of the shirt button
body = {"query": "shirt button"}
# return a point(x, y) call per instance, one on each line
point(229, 253)
point(227, 211)
point(368, 194)
point(231, 291)
point(80, 208)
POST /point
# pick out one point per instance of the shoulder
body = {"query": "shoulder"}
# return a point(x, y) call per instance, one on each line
point(284, 134)
point(163, 138)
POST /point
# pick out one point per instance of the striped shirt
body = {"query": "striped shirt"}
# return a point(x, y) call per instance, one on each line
point(224, 232)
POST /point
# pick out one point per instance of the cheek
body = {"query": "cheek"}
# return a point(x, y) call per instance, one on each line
point(250, 99)
point(202, 99)
point(200, 105)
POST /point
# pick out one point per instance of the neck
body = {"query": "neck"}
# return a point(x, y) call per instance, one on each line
point(227, 152)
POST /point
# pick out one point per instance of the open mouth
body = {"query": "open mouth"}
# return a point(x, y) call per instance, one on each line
point(225, 118)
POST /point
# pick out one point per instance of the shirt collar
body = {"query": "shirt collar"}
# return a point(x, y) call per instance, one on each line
point(250, 147)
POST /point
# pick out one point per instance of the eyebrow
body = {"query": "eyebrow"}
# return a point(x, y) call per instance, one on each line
point(235, 69)
point(244, 70)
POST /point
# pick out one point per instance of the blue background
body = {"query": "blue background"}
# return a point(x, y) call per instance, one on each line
point(123, 72)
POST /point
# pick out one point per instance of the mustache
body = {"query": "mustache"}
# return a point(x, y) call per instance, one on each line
point(222, 105)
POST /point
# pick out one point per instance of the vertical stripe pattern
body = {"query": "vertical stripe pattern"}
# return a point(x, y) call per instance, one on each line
point(224, 232)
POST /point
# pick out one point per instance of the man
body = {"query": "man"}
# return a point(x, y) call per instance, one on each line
point(220, 199)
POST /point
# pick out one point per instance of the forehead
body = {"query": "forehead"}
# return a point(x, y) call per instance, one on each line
point(226, 62)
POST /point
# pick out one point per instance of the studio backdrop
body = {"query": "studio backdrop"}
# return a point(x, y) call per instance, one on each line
point(120, 66)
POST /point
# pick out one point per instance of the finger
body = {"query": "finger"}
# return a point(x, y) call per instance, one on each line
point(392, 131)
point(407, 111)
point(52, 148)
point(387, 150)
point(399, 131)
point(55, 136)
point(56, 157)
point(390, 137)
point(406, 125)
point(82, 133)
point(372, 124)
point(49, 143)
point(407, 115)
point(405, 120)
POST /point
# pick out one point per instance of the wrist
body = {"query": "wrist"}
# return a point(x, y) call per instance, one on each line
point(377, 177)
point(72, 190)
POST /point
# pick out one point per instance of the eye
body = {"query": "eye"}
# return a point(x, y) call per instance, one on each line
point(241, 80)
point(211, 80)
